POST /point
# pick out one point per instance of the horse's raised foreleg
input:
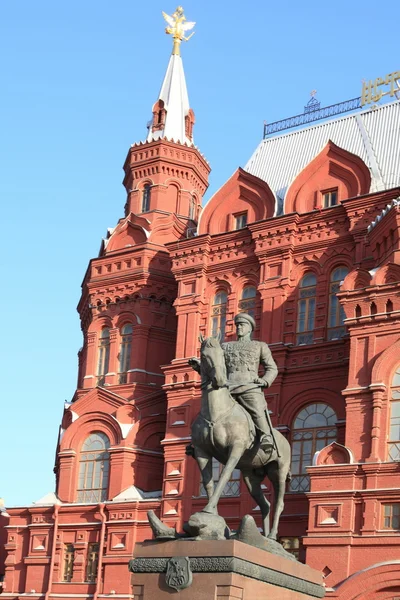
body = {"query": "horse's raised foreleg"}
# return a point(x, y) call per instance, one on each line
point(204, 461)
point(226, 473)
point(278, 479)
point(253, 482)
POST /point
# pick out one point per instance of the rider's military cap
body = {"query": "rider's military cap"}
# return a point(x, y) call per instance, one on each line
point(247, 318)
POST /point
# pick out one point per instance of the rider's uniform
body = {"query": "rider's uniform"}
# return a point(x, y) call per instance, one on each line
point(242, 363)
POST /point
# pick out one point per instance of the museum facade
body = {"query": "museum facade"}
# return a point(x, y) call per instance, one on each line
point(305, 238)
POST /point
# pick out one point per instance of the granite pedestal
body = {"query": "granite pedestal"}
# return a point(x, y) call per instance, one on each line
point(223, 569)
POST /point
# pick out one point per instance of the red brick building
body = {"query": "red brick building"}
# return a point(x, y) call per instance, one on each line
point(306, 238)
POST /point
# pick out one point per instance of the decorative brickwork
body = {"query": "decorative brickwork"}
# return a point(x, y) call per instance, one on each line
point(153, 288)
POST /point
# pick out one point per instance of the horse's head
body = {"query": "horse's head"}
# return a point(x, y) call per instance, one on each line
point(213, 361)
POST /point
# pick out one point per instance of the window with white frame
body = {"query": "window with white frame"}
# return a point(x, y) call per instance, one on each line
point(391, 516)
point(240, 220)
point(125, 352)
point(394, 424)
point(313, 429)
point(94, 465)
point(232, 488)
point(247, 302)
point(336, 315)
point(218, 314)
point(330, 198)
point(103, 359)
point(306, 309)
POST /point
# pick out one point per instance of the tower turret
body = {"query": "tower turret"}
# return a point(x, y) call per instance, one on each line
point(166, 176)
point(172, 116)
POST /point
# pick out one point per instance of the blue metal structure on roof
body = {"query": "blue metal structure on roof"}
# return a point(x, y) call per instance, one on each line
point(373, 135)
point(312, 114)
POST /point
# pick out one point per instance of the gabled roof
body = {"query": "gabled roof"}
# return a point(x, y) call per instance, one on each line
point(98, 399)
point(373, 135)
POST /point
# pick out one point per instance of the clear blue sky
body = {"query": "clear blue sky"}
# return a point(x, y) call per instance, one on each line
point(78, 83)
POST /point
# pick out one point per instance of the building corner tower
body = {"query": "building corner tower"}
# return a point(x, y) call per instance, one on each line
point(126, 308)
point(109, 461)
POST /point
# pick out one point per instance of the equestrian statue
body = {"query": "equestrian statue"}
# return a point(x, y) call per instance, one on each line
point(234, 426)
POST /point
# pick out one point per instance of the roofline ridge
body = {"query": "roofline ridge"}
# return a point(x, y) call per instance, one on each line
point(321, 124)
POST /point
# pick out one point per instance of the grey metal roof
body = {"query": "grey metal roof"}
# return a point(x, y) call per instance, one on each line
point(373, 135)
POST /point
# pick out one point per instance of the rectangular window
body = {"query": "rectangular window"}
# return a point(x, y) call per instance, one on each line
point(240, 220)
point(306, 317)
point(146, 198)
point(103, 356)
point(329, 198)
point(69, 554)
point(394, 430)
point(102, 364)
point(291, 545)
point(232, 488)
point(218, 325)
point(192, 208)
point(218, 314)
point(391, 516)
point(92, 562)
point(336, 316)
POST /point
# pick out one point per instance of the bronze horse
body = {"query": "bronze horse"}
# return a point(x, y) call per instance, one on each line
point(225, 431)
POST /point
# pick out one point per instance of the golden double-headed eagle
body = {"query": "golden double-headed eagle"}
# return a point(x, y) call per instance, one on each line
point(177, 27)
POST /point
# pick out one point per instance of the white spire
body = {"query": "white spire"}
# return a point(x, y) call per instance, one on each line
point(174, 95)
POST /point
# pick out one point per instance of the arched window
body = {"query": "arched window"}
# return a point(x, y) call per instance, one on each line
point(336, 328)
point(94, 465)
point(146, 197)
point(313, 429)
point(103, 356)
point(394, 428)
point(232, 488)
point(218, 314)
point(306, 309)
point(125, 353)
point(247, 303)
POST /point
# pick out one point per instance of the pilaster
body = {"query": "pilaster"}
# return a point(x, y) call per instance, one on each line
point(183, 396)
point(111, 378)
point(89, 377)
point(378, 394)
point(66, 481)
point(80, 549)
point(121, 473)
point(139, 358)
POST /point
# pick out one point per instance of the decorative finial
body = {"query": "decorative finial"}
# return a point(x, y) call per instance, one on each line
point(177, 28)
point(313, 104)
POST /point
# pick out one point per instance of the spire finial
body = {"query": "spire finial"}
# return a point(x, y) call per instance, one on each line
point(177, 27)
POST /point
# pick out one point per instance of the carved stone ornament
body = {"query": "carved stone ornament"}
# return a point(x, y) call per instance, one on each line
point(178, 575)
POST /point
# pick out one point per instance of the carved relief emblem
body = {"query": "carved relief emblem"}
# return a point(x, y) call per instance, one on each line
point(178, 575)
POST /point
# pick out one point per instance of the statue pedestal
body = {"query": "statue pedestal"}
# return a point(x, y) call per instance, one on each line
point(226, 569)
